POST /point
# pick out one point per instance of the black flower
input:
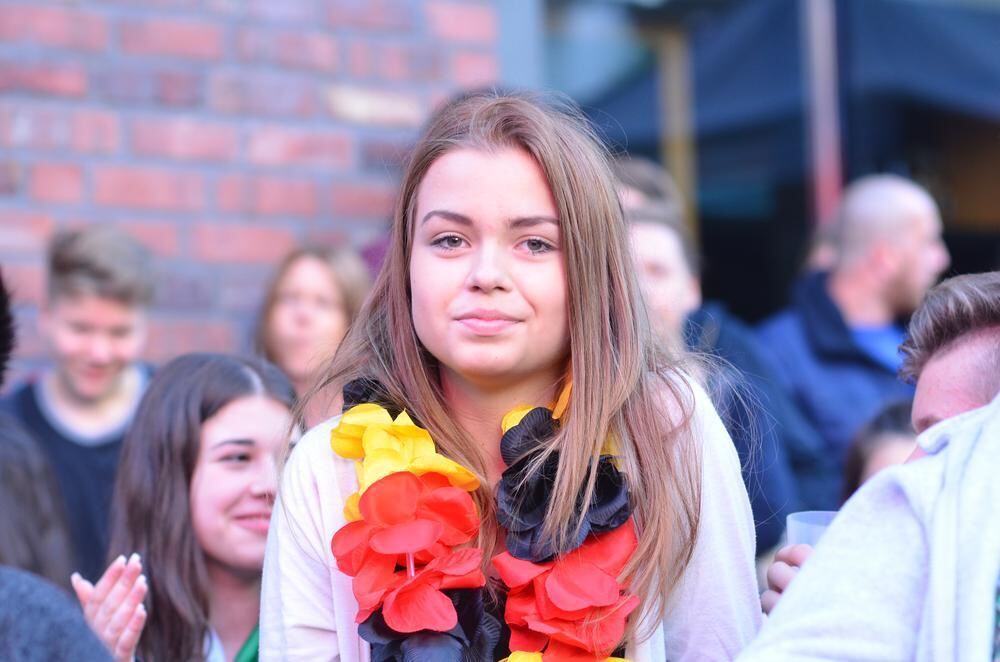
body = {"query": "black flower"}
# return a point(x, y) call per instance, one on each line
point(364, 390)
point(471, 640)
point(523, 496)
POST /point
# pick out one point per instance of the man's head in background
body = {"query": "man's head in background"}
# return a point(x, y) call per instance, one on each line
point(888, 229)
point(665, 256)
point(94, 317)
point(953, 348)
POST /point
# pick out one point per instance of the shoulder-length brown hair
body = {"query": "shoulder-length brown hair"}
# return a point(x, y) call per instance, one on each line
point(151, 509)
point(348, 271)
point(624, 388)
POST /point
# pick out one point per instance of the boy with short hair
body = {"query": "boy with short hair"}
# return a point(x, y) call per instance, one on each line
point(94, 323)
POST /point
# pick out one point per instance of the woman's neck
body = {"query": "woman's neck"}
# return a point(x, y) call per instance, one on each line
point(479, 409)
point(234, 606)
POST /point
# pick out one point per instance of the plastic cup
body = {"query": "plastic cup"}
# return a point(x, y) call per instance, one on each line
point(807, 527)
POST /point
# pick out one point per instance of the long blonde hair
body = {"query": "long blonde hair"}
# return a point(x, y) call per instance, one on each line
point(624, 387)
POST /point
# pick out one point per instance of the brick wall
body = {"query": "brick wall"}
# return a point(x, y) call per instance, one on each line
point(221, 133)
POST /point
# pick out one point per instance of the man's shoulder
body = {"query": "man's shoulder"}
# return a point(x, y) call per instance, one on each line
point(19, 398)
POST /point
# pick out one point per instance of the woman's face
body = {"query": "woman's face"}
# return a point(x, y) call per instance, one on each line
point(307, 320)
point(486, 272)
point(234, 481)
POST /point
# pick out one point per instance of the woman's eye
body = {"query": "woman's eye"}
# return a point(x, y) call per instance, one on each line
point(236, 458)
point(536, 246)
point(449, 242)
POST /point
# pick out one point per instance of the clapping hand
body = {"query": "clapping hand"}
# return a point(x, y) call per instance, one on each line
point(113, 607)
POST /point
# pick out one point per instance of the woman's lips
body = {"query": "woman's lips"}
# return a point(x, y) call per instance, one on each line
point(486, 327)
point(255, 523)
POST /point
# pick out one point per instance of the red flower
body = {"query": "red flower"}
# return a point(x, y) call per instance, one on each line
point(418, 603)
point(571, 607)
point(403, 514)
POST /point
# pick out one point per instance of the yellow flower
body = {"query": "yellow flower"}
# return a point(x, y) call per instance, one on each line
point(384, 446)
point(346, 437)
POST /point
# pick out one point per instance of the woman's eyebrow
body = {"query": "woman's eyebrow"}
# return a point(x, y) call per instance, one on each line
point(514, 223)
point(235, 442)
point(531, 221)
point(447, 215)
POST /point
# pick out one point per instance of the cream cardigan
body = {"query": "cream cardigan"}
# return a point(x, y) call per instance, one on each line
point(308, 608)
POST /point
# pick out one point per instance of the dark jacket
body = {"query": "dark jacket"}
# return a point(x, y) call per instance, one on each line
point(753, 412)
point(835, 384)
point(40, 622)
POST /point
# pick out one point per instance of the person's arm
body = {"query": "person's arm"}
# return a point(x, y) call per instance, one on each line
point(714, 610)
point(860, 595)
point(298, 619)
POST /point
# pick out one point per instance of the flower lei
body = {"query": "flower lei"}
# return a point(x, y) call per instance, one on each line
point(418, 583)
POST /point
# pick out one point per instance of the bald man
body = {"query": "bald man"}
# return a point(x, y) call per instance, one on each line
point(835, 348)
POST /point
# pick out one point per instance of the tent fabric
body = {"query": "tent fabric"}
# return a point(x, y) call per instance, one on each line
point(747, 65)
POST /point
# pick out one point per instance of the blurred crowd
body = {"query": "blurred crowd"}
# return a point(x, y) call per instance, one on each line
point(100, 448)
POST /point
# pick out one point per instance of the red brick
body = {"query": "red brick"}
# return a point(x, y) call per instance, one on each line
point(294, 49)
point(95, 131)
point(474, 69)
point(188, 39)
point(240, 243)
point(149, 83)
point(53, 26)
point(374, 107)
point(284, 197)
point(171, 338)
point(371, 15)
point(59, 128)
point(26, 282)
point(185, 139)
point(462, 22)
point(56, 182)
point(275, 146)
point(11, 176)
point(362, 201)
point(403, 62)
point(24, 232)
point(147, 188)
point(160, 237)
point(68, 80)
point(381, 156)
point(360, 58)
point(231, 193)
point(262, 94)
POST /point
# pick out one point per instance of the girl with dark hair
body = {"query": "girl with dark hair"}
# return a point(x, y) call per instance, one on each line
point(193, 501)
point(521, 469)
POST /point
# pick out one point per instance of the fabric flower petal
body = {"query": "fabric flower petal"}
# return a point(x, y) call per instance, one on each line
point(514, 572)
point(406, 537)
point(574, 586)
point(346, 437)
point(419, 606)
point(391, 500)
point(457, 475)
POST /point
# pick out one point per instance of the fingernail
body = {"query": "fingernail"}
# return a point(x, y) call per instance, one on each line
point(75, 577)
point(120, 560)
point(134, 558)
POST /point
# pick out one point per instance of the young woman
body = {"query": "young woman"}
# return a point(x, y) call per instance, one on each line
point(192, 504)
point(312, 300)
point(509, 283)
